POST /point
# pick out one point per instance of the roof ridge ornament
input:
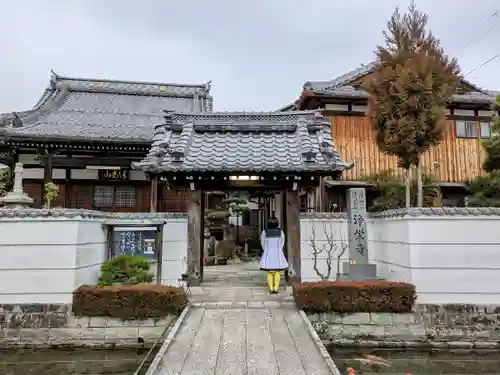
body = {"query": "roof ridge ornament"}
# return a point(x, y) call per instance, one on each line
point(208, 86)
point(16, 121)
point(53, 79)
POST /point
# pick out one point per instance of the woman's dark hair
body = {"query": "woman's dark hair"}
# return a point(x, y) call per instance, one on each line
point(273, 223)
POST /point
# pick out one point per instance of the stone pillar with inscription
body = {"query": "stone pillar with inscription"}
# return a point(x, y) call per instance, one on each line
point(358, 267)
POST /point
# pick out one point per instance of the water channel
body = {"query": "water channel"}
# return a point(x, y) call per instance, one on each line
point(72, 361)
point(126, 361)
point(392, 361)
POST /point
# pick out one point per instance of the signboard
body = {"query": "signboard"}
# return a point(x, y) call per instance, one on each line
point(135, 241)
point(113, 174)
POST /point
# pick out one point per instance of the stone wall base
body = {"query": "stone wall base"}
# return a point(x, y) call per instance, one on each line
point(43, 326)
point(450, 326)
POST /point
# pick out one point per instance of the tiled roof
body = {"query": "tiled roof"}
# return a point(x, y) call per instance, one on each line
point(243, 142)
point(341, 87)
point(105, 110)
point(355, 93)
point(342, 80)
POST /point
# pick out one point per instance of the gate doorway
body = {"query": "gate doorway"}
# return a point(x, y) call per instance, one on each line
point(233, 222)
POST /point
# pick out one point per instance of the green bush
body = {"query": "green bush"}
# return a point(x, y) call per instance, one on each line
point(225, 249)
point(125, 270)
point(129, 302)
point(354, 296)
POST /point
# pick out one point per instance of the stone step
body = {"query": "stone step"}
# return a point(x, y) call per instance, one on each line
point(245, 305)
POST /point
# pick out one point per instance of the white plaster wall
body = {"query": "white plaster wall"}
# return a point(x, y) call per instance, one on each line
point(84, 174)
point(38, 173)
point(41, 256)
point(91, 252)
point(316, 229)
point(45, 259)
point(389, 248)
point(455, 259)
point(174, 252)
point(450, 259)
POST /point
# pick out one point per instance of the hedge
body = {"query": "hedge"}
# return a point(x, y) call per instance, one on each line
point(128, 302)
point(354, 296)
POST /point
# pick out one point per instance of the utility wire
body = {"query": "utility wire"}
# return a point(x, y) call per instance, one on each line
point(483, 64)
point(474, 36)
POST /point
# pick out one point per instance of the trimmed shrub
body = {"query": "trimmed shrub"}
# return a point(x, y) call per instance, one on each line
point(225, 249)
point(125, 270)
point(354, 296)
point(129, 302)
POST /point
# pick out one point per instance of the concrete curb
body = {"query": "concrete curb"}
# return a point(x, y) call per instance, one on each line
point(156, 361)
point(324, 353)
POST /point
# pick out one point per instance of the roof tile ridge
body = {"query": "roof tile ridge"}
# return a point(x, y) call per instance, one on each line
point(245, 113)
point(55, 78)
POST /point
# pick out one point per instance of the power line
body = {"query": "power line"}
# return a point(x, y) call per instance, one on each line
point(483, 64)
point(474, 36)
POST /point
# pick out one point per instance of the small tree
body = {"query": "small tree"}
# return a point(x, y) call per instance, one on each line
point(411, 85)
point(5, 181)
point(331, 250)
point(390, 191)
point(51, 192)
point(484, 190)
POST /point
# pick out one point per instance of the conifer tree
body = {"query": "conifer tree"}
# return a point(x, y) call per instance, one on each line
point(412, 83)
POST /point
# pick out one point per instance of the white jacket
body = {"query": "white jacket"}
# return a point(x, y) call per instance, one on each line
point(273, 258)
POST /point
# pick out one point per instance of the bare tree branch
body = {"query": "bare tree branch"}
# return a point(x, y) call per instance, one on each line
point(330, 248)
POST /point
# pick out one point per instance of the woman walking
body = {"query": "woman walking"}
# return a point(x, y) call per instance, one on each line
point(273, 259)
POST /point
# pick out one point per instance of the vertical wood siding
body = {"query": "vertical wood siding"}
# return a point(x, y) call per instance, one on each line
point(453, 160)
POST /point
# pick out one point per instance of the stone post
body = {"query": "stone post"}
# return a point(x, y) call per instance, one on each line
point(17, 198)
point(358, 267)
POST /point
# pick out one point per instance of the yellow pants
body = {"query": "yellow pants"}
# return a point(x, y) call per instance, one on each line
point(273, 280)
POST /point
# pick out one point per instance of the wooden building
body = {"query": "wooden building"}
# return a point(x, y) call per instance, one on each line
point(458, 158)
point(83, 135)
point(279, 153)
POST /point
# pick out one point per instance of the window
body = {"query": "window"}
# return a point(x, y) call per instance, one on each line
point(124, 197)
point(484, 130)
point(110, 196)
point(103, 196)
point(466, 129)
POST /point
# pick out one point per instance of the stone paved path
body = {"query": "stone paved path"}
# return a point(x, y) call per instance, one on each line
point(241, 341)
point(234, 327)
point(239, 282)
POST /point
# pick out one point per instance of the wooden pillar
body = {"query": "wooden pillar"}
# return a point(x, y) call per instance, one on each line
point(195, 249)
point(47, 165)
point(292, 232)
point(67, 188)
point(154, 195)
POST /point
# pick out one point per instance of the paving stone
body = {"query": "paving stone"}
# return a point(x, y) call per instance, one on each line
point(233, 349)
point(256, 305)
point(202, 357)
point(309, 354)
point(284, 345)
point(261, 359)
point(175, 357)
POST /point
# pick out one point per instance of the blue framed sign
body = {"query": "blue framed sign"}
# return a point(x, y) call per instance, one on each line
point(135, 241)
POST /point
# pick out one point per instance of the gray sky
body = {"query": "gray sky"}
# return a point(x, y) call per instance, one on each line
point(257, 53)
